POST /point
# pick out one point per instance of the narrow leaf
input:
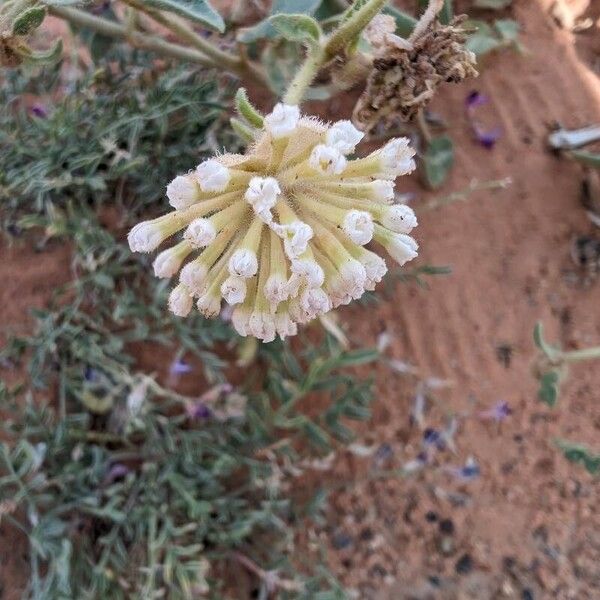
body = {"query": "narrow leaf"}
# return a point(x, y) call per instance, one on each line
point(199, 11)
point(29, 20)
point(438, 160)
point(297, 28)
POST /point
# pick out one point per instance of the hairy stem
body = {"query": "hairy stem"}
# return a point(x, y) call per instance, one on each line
point(139, 40)
point(585, 354)
point(305, 76)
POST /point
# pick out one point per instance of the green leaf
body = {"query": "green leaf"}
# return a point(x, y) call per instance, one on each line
point(266, 30)
point(549, 388)
point(581, 455)
point(540, 342)
point(404, 22)
point(445, 15)
point(492, 4)
point(297, 28)
point(42, 58)
point(484, 40)
point(199, 11)
point(590, 159)
point(508, 29)
point(438, 160)
point(29, 20)
point(246, 110)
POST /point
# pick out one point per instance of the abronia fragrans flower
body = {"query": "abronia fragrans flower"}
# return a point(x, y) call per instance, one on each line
point(279, 233)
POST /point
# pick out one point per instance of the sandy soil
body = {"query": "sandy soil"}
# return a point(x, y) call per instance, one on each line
point(528, 526)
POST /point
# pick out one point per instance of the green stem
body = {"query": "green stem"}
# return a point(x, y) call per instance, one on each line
point(585, 354)
point(187, 34)
point(352, 27)
point(305, 76)
point(116, 30)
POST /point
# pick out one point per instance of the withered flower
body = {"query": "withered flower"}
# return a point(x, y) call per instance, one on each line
point(406, 73)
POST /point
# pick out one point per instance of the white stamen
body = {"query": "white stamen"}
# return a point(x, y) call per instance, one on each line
point(358, 226)
point(283, 120)
point(327, 160)
point(180, 301)
point(209, 305)
point(243, 263)
point(399, 218)
point(343, 136)
point(296, 237)
point(233, 290)
point(167, 263)
point(200, 232)
point(402, 248)
point(212, 175)
point(262, 195)
point(145, 237)
point(182, 192)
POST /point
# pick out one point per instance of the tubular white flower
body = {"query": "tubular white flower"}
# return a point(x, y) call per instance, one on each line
point(243, 263)
point(396, 158)
point(358, 226)
point(399, 218)
point(233, 290)
point(309, 270)
point(327, 160)
point(375, 268)
point(276, 289)
point(262, 195)
point(240, 319)
point(282, 121)
point(314, 301)
point(193, 275)
point(343, 136)
point(169, 261)
point(296, 236)
point(209, 305)
point(200, 232)
point(284, 325)
point(182, 192)
point(212, 175)
point(354, 276)
point(262, 326)
point(402, 248)
point(146, 236)
point(383, 190)
point(180, 301)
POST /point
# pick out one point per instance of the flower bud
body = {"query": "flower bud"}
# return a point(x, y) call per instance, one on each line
point(209, 305)
point(243, 263)
point(180, 301)
point(182, 192)
point(343, 136)
point(282, 121)
point(212, 176)
point(358, 226)
point(200, 232)
point(193, 275)
point(233, 290)
point(276, 289)
point(396, 158)
point(168, 262)
point(402, 248)
point(399, 218)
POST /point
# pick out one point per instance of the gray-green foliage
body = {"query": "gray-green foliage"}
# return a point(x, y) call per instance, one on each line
point(134, 503)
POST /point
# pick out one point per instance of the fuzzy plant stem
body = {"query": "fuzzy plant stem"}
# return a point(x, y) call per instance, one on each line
point(318, 55)
point(139, 40)
point(219, 57)
point(585, 354)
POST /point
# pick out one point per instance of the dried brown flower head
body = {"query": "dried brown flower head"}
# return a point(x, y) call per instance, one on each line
point(406, 73)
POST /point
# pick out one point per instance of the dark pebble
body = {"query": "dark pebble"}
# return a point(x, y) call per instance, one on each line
point(341, 540)
point(527, 594)
point(434, 580)
point(367, 534)
point(431, 516)
point(446, 526)
point(464, 564)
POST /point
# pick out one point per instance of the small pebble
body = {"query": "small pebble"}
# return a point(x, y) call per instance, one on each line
point(431, 516)
point(527, 594)
point(464, 564)
point(446, 526)
point(341, 540)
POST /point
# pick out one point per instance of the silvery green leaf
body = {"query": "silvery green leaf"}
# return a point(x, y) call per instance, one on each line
point(508, 29)
point(28, 20)
point(438, 160)
point(297, 28)
point(199, 11)
point(265, 28)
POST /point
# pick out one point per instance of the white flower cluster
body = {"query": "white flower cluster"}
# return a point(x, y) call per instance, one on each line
point(280, 232)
